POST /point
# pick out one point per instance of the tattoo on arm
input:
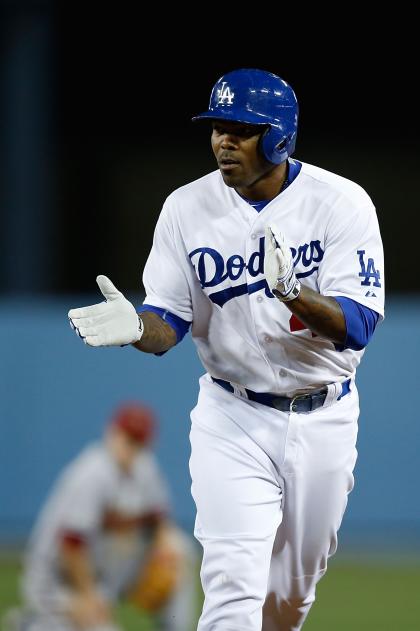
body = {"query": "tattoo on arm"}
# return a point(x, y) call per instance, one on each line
point(158, 335)
point(321, 314)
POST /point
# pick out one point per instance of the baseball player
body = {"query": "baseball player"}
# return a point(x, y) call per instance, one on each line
point(278, 267)
point(103, 535)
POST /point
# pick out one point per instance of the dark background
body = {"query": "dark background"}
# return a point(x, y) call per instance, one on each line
point(96, 130)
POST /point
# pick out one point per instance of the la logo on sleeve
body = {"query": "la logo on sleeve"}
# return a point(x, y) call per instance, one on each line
point(368, 271)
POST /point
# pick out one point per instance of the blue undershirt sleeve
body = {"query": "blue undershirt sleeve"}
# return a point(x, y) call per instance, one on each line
point(360, 323)
point(179, 325)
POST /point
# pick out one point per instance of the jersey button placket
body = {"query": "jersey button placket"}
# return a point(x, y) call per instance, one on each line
point(254, 298)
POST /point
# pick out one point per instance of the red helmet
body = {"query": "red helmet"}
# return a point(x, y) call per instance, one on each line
point(136, 420)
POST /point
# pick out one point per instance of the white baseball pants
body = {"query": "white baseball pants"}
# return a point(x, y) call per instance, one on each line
point(270, 490)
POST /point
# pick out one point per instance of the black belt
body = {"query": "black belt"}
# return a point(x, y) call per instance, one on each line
point(300, 403)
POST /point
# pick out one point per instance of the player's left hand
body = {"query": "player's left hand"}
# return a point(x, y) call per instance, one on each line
point(278, 265)
point(114, 322)
point(161, 573)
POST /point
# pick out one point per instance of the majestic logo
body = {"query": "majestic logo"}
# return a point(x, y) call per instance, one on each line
point(212, 270)
point(225, 95)
point(368, 271)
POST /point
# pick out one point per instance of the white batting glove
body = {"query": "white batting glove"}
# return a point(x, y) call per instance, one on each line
point(114, 322)
point(278, 266)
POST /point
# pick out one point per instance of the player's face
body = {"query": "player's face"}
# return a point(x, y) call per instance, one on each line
point(123, 448)
point(241, 164)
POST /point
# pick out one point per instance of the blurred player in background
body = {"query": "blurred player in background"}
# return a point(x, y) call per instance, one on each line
point(103, 535)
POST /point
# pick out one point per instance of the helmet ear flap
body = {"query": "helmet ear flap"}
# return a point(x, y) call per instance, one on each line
point(265, 143)
point(276, 147)
point(273, 145)
point(281, 145)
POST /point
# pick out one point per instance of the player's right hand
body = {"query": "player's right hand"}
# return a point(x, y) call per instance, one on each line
point(114, 322)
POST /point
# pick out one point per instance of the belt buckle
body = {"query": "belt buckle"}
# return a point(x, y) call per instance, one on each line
point(293, 407)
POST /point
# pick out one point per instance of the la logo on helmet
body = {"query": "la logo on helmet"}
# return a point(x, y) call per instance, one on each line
point(225, 95)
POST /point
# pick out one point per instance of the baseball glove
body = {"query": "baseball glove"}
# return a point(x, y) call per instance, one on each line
point(159, 576)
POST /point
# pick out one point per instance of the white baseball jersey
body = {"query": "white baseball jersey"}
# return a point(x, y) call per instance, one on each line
point(88, 487)
point(206, 266)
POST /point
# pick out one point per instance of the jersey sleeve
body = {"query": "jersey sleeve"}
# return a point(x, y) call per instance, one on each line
point(360, 323)
point(166, 273)
point(353, 262)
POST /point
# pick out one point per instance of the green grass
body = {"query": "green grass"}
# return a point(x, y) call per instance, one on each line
point(351, 597)
point(367, 597)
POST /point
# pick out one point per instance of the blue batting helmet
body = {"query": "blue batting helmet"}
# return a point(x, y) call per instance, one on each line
point(258, 97)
